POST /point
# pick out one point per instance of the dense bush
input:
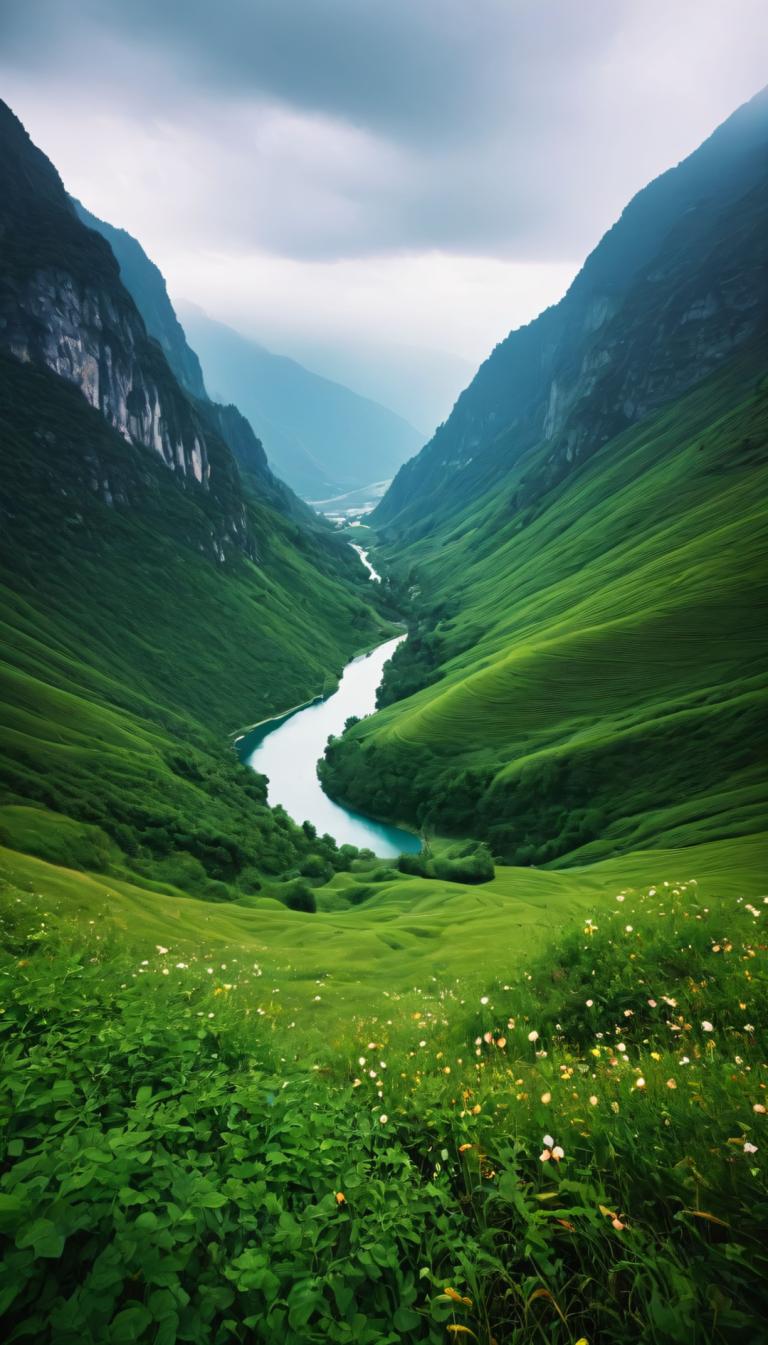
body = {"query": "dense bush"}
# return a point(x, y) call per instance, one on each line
point(299, 896)
point(315, 866)
point(163, 1182)
point(357, 893)
point(414, 664)
point(469, 863)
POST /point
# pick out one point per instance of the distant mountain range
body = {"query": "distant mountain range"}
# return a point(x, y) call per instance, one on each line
point(320, 437)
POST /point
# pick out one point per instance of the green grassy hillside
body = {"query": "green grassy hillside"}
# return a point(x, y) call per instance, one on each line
point(403, 931)
point(130, 655)
point(584, 545)
point(594, 663)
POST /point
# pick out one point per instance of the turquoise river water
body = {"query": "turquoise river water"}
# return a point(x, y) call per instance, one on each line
point(287, 750)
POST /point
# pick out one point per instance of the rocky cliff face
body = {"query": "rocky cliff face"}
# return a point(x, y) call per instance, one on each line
point(63, 307)
point(672, 290)
point(146, 285)
point(88, 337)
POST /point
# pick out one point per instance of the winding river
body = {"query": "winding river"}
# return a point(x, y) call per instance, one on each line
point(363, 554)
point(287, 750)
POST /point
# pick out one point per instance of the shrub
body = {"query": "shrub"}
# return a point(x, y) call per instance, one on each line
point(357, 893)
point(299, 896)
point(314, 866)
point(470, 866)
point(415, 865)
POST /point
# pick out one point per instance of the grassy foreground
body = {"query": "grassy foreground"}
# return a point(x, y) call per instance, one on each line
point(527, 1111)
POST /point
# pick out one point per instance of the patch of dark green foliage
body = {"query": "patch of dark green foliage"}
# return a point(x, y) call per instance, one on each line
point(467, 863)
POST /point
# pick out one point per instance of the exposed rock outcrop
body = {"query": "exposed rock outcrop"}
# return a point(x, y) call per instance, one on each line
point(90, 338)
point(63, 307)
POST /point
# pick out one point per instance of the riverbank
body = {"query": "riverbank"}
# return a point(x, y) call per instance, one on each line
point(238, 736)
point(287, 748)
point(287, 752)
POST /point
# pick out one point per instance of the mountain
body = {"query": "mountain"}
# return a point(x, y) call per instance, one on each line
point(419, 383)
point(320, 437)
point(63, 306)
point(659, 304)
point(151, 600)
point(585, 544)
point(145, 283)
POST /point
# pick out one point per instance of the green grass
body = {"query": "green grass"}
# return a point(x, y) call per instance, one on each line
point(131, 656)
point(406, 929)
point(188, 1090)
point(224, 1120)
point(594, 665)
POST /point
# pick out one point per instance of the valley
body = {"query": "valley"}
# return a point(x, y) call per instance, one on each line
point(585, 542)
point(431, 1006)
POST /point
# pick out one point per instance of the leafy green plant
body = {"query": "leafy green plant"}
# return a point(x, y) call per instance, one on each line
point(576, 1152)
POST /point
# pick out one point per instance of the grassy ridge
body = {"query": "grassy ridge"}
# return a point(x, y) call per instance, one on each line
point(599, 679)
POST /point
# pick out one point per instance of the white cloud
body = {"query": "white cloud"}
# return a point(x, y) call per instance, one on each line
point(463, 305)
point(373, 174)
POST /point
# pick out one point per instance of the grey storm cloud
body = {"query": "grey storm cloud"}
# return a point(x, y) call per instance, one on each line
point(346, 128)
point(427, 71)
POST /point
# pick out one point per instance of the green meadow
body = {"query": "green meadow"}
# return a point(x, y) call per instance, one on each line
point(532, 1109)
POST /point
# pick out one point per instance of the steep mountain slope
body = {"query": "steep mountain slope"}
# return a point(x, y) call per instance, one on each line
point(673, 288)
point(587, 667)
point(320, 437)
point(145, 283)
point(62, 305)
point(150, 604)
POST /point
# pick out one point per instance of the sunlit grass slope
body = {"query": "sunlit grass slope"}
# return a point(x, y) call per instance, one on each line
point(601, 676)
point(404, 932)
point(130, 654)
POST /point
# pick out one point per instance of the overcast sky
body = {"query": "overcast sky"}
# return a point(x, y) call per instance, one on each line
point(381, 187)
